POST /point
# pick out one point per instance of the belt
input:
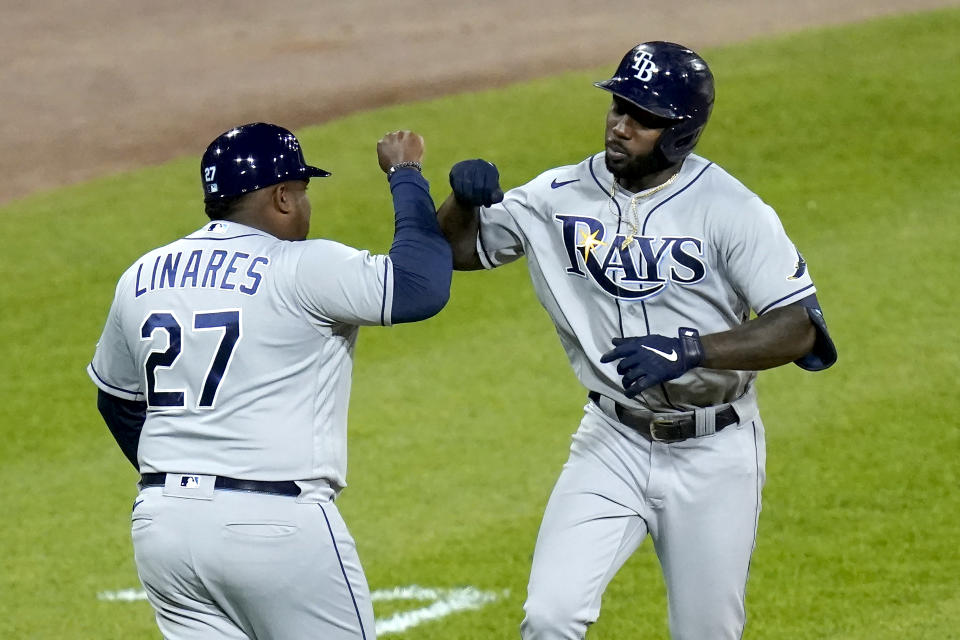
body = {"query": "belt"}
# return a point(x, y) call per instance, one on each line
point(284, 488)
point(668, 427)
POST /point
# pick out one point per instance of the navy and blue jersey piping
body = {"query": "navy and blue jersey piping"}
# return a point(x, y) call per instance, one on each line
point(383, 304)
point(343, 570)
point(673, 195)
point(100, 378)
point(756, 520)
point(597, 180)
point(779, 300)
point(246, 235)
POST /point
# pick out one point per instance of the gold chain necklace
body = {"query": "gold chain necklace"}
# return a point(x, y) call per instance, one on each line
point(634, 222)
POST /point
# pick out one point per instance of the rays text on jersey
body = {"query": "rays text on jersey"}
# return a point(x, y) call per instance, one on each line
point(203, 268)
point(636, 271)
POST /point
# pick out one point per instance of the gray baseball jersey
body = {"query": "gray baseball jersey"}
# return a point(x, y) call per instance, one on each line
point(262, 330)
point(701, 251)
point(706, 251)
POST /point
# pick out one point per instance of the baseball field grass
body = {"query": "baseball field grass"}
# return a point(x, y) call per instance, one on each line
point(459, 425)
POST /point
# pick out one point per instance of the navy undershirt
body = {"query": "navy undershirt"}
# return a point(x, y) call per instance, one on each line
point(125, 419)
point(422, 258)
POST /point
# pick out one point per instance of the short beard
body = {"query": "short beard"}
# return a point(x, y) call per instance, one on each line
point(639, 167)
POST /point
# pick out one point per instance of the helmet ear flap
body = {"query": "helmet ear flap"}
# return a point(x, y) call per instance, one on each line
point(678, 141)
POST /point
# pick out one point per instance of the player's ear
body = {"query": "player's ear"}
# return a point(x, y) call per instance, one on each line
point(282, 199)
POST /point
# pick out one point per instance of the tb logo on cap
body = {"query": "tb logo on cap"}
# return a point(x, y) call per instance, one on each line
point(644, 65)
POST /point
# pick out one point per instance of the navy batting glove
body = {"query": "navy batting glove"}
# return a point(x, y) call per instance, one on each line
point(649, 360)
point(476, 183)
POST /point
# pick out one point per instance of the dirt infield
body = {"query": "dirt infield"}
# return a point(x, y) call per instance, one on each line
point(97, 86)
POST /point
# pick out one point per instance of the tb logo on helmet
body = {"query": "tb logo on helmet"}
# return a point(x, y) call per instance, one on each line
point(644, 66)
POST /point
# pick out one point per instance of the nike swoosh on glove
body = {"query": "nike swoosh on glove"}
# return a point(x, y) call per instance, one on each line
point(646, 361)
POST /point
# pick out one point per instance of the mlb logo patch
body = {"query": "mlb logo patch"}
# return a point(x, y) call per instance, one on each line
point(217, 227)
point(188, 485)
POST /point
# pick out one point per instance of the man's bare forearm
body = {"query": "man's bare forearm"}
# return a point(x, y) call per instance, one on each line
point(775, 338)
point(460, 224)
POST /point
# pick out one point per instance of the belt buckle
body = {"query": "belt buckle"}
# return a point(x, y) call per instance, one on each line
point(666, 428)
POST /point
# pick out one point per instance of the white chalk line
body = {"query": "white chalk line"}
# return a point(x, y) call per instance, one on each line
point(443, 602)
point(123, 595)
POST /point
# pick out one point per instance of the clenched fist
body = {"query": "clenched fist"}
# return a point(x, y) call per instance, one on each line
point(399, 146)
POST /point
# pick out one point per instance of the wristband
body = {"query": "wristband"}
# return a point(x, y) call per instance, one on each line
point(690, 347)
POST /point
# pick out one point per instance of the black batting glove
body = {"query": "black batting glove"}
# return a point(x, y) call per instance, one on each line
point(476, 183)
point(650, 360)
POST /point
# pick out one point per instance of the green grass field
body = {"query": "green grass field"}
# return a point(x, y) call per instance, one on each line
point(459, 425)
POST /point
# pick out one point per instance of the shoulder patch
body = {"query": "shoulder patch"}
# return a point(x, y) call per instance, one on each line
point(800, 268)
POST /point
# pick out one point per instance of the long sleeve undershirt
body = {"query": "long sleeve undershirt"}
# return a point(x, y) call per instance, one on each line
point(422, 259)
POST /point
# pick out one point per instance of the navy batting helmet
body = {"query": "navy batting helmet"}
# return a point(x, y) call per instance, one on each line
point(251, 157)
point(672, 82)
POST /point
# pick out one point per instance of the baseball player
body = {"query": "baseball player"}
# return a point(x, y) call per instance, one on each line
point(224, 374)
point(649, 260)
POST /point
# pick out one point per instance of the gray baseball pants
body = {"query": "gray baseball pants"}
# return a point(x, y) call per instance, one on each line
point(240, 566)
point(699, 501)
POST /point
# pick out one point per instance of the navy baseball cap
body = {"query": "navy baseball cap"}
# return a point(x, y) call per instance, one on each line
point(251, 157)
